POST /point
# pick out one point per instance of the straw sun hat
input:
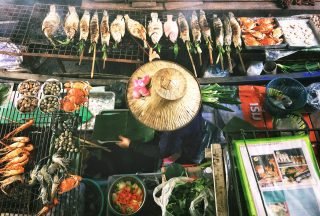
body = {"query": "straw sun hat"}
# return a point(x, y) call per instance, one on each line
point(174, 98)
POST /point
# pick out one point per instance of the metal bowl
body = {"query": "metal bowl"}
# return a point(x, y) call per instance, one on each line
point(132, 179)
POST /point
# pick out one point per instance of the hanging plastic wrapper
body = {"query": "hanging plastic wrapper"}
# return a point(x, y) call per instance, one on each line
point(8, 61)
point(313, 97)
point(207, 198)
point(274, 55)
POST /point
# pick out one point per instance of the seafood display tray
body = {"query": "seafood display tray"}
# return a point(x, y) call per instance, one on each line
point(283, 45)
point(23, 199)
point(283, 20)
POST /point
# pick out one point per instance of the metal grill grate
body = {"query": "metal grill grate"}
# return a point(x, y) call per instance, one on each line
point(22, 199)
point(127, 51)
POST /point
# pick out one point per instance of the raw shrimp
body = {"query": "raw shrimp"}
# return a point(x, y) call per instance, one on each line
point(20, 139)
point(13, 172)
point(6, 182)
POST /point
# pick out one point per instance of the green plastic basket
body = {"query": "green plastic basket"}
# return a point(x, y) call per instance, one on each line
point(282, 88)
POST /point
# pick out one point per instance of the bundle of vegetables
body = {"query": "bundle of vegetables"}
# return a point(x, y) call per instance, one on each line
point(4, 92)
point(184, 193)
point(215, 95)
point(300, 67)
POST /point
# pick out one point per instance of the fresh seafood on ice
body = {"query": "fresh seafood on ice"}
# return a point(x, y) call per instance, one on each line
point(206, 33)
point(171, 30)
point(196, 34)
point(236, 37)
point(51, 24)
point(184, 35)
point(84, 32)
point(94, 35)
point(219, 34)
point(105, 35)
point(118, 29)
point(71, 25)
point(228, 40)
point(155, 30)
point(136, 29)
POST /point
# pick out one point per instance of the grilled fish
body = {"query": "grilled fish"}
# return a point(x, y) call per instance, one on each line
point(84, 32)
point(104, 29)
point(118, 29)
point(155, 30)
point(184, 28)
point(171, 29)
point(236, 31)
point(218, 31)
point(136, 29)
point(94, 36)
point(51, 24)
point(184, 35)
point(105, 35)
point(228, 40)
point(206, 33)
point(196, 34)
point(71, 24)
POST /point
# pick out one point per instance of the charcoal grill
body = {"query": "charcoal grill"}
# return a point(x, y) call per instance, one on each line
point(23, 200)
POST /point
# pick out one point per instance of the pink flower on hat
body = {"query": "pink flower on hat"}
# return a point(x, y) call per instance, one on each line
point(141, 87)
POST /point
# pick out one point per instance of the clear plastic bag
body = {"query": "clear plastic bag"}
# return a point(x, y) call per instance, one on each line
point(313, 97)
point(207, 197)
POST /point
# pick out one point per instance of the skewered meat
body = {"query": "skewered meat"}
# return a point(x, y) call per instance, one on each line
point(218, 30)
point(236, 31)
point(84, 32)
point(51, 24)
point(206, 32)
point(94, 35)
point(228, 41)
point(118, 29)
point(136, 29)
point(184, 28)
point(184, 35)
point(71, 24)
point(155, 30)
point(171, 29)
point(104, 28)
point(196, 34)
point(105, 35)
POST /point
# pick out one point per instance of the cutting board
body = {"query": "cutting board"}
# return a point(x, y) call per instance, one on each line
point(112, 123)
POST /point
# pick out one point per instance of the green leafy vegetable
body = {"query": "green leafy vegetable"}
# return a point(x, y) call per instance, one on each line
point(184, 193)
point(299, 67)
point(4, 90)
point(176, 50)
point(215, 95)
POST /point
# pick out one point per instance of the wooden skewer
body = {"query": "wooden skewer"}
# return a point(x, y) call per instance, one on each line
point(93, 59)
point(81, 56)
point(191, 59)
point(200, 59)
point(241, 61)
point(210, 53)
point(104, 63)
point(221, 61)
point(229, 62)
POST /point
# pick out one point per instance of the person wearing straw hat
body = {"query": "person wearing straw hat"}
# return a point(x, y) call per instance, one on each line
point(166, 97)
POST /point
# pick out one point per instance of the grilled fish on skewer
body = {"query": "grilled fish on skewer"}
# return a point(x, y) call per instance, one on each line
point(171, 30)
point(94, 35)
point(71, 25)
point(84, 32)
point(105, 35)
point(236, 37)
point(155, 30)
point(136, 29)
point(196, 34)
point(118, 29)
point(228, 40)
point(51, 24)
point(184, 35)
point(206, 33)
point(218, 30)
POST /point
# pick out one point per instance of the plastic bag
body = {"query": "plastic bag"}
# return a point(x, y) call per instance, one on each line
point(166, 188)
point(207, 197)
point(313, 97)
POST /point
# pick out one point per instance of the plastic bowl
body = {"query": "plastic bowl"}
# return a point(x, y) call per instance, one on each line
point(289, 87)
point(29, 93)
point(51, 81)
point(46, 98)
point(23, 97)
point(132, 179)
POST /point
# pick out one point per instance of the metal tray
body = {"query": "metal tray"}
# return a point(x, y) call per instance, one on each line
point(298, 46)
point(283, 45)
